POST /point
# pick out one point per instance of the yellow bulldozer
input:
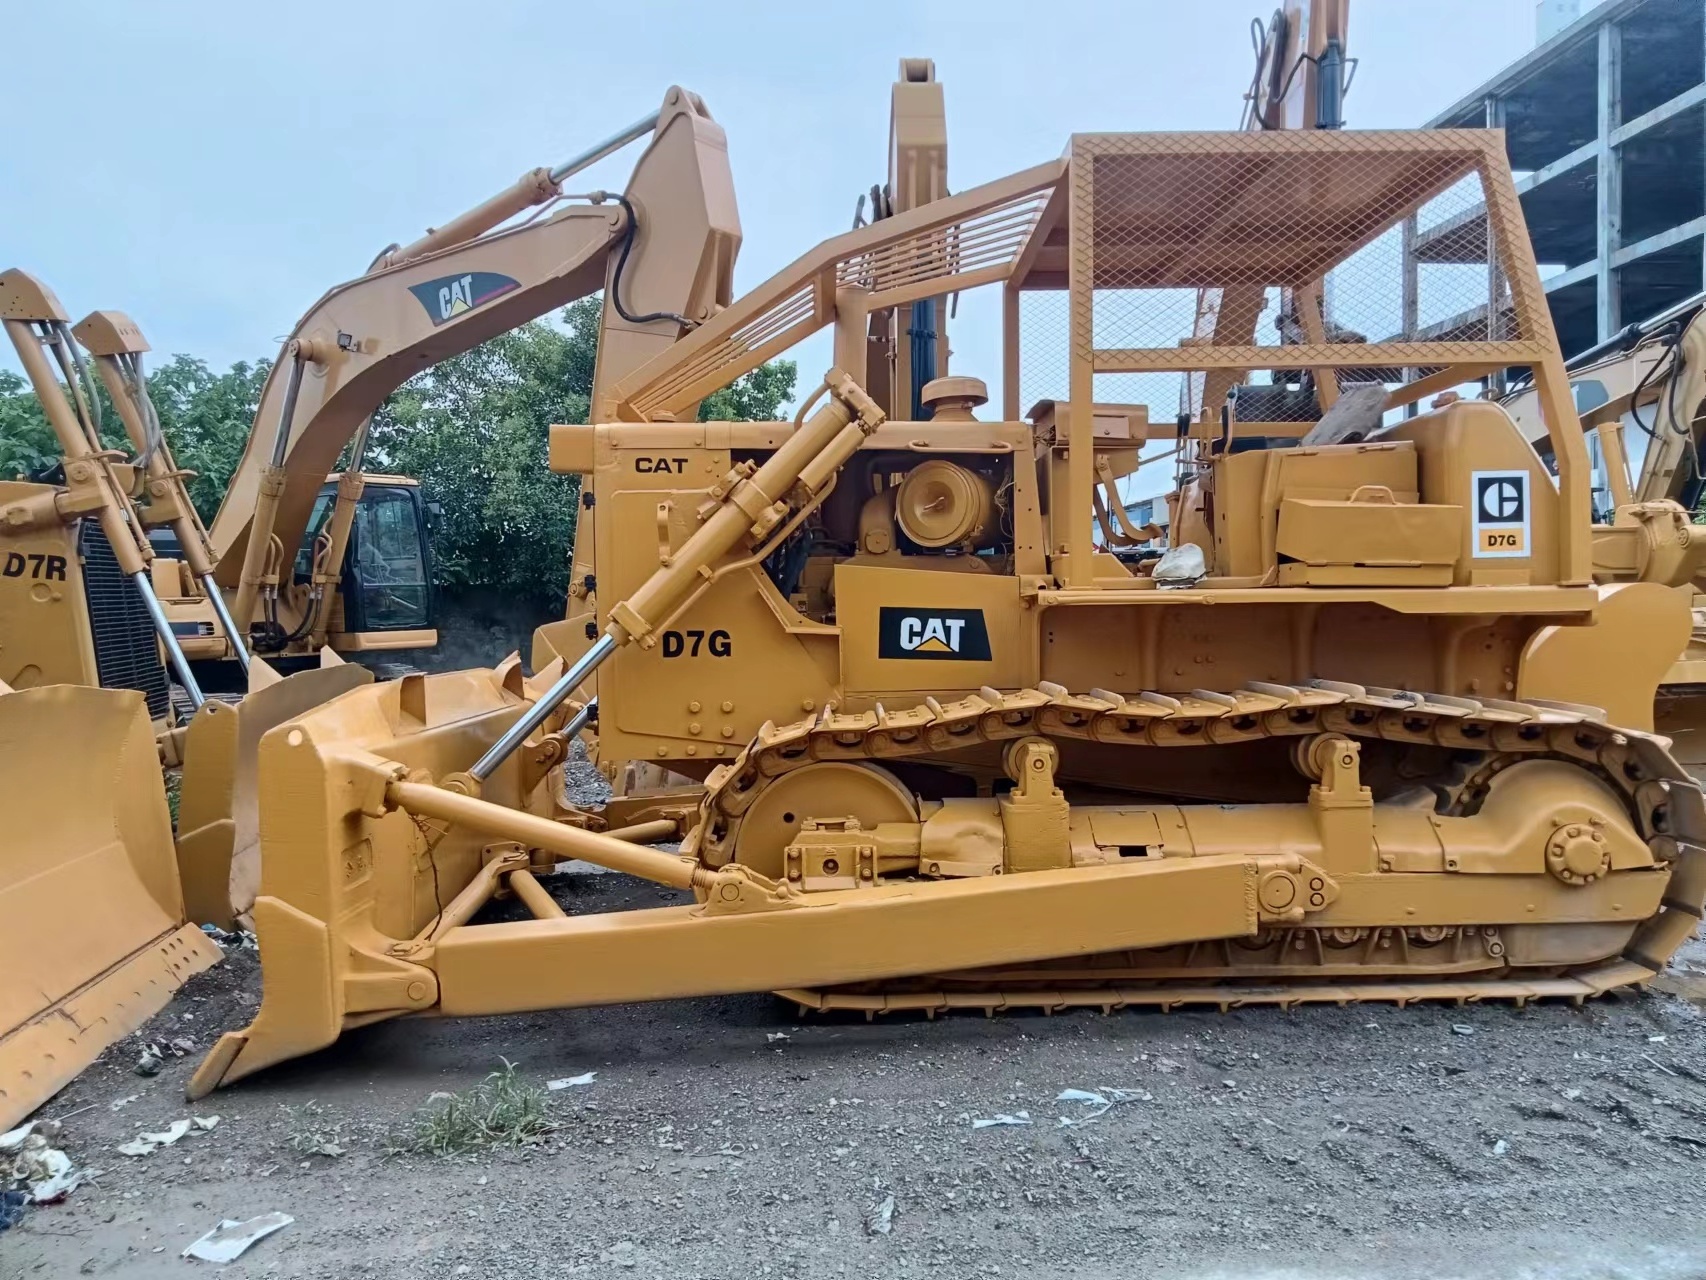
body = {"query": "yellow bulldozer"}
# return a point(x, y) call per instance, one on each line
point(1369, 730)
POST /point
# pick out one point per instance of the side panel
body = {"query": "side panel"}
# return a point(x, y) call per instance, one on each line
point(737, 657)
point(1474, 457)
point(44, 620)
point(723, 667)
point(1174, 648)
point(1617, 663)
point(918, 631)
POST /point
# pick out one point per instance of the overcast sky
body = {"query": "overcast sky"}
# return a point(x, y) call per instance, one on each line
point(211, 168)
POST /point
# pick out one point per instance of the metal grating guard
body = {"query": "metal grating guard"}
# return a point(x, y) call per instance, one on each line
point(127, 655)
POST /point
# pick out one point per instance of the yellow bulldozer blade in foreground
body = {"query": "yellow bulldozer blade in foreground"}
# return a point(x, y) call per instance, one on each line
point(218, 825)
point(95, 940)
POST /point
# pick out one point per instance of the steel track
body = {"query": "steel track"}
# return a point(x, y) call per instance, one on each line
point(1664, 803)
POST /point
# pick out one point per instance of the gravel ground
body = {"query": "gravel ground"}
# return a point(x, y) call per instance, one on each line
point(724, 1138)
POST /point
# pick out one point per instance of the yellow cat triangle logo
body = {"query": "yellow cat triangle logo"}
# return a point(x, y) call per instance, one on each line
point(934, 645)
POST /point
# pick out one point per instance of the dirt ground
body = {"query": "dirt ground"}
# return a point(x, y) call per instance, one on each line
point(726, 1138)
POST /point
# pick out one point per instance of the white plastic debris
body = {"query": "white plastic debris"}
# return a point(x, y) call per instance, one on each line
point(145, 1144)
point(773, 1036)
point(13, 1139)
point(1081, 1095)
point(203, 1123)
point(1001, 1118)
point(880, 1221)
point(1180, 567)
point(571, 1082)
point(1500, 1147)
point(30, 1161)
point(230, 1239)
point(1103, 1100)
point(119, 1104)
point(1462, 1029)
point(1655, 1039)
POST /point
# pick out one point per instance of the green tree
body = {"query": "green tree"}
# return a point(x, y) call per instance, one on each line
point(757, 397)
point(27, 444)
point(206, 417)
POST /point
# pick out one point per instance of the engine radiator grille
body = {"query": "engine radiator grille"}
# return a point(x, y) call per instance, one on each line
point(127, 656)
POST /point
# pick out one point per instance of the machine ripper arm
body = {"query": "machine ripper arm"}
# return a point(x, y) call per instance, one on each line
point(742, 511)
point(97, 480)
point(118, 346)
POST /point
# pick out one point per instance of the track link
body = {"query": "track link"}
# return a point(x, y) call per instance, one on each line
point(1664, 803)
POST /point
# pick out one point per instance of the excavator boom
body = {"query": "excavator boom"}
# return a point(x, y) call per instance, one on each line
point(673, 234)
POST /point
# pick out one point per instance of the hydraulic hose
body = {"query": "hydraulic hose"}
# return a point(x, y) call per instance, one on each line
point(622, 265)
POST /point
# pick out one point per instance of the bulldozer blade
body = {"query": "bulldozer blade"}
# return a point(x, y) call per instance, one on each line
point(93, 940)
point(219, 858)
point(315, 986)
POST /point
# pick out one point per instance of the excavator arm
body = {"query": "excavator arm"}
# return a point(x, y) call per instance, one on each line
point(1655, 374)
point(663, 252)
point(1302, 74)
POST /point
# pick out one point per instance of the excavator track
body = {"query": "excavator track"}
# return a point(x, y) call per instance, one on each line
point(1285, 967)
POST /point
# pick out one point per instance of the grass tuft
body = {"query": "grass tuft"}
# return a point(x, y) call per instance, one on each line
point(174, 793)
point(502, 1110)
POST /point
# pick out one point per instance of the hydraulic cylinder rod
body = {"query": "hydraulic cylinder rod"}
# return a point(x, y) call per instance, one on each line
point(227, 624)
point(570, 680)
point(117, 346)
point(534, 187)
point(168, 639)
point(615, 142)
point(752, 506)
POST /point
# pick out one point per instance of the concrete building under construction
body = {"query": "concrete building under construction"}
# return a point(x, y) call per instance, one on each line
point(1605, 123)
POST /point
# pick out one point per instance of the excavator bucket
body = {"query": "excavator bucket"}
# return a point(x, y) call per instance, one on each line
point(218, 822)
point(95, 940)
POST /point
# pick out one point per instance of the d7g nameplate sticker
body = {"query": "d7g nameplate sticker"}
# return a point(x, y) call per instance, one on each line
point(1502, 514)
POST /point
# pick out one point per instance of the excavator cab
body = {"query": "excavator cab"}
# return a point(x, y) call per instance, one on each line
point(385, 597)
point(386, 587)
